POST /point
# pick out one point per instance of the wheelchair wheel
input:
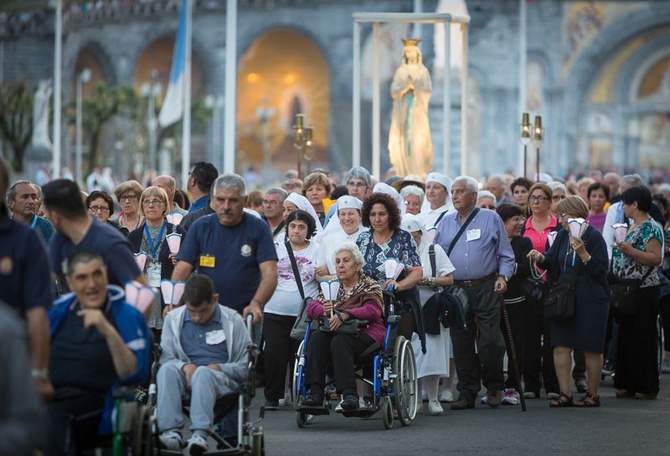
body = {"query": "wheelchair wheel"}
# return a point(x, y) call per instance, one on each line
point(143, 438)
point(257, 442)
point(405, 383)
point(302, 419)
point(295, 393)
point(387, 412)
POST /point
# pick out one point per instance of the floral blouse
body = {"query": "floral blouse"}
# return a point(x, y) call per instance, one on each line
point(626, 267)
point(401, 247)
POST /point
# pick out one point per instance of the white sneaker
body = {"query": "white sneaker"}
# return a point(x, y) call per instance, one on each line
point(434, 408)
point(510, 397)
point(197, 445)
point(170, 440)
point(447, 396)
point(484, 399)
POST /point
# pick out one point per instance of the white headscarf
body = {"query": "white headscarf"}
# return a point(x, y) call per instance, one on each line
point(381, 187)
point(303, 203)
point(343, 202)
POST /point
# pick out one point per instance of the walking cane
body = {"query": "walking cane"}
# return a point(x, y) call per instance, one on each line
point(515, 362)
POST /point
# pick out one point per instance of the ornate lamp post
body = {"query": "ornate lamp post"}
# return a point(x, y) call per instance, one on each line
point(538, 141)
point(525, 139)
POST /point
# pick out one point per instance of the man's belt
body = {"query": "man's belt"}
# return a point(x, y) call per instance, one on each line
point(472, 283)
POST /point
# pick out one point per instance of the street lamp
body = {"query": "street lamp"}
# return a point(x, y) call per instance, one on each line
point(265, 113)
point(216, 103)
point(302, 141)
point(151, 91)
point(525, 140)
point(538, 141)
point(82, 78)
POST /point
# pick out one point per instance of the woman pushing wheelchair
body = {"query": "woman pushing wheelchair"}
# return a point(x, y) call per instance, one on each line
point(358, 298)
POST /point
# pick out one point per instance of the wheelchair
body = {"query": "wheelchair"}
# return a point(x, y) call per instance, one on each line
point(133, 429)
point(250, 437)
point(394, 377)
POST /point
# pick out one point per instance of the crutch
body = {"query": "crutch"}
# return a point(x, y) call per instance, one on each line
point(515, 362)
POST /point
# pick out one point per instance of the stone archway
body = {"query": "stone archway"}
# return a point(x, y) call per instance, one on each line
point(282, 71)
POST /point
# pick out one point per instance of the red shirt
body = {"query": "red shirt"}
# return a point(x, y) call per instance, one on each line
point(539, 240)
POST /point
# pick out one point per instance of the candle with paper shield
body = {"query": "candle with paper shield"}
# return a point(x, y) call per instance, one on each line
point(620, 231)
point(577, 226)
point(141, 260)
point(551, 237)
point(139, 296)
point(174, 217)
point(172, 291)
point(174, 242)
point(431, 234)
point(393, 268)
point(330, 288)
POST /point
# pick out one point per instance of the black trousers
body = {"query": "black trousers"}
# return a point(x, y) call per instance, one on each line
point(61, 414)
point(279, 353)
point(665, 320)
point(637, 357)
point(538, 353)
point(340, 351)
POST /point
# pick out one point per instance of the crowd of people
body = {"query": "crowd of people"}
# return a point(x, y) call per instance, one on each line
point(65, 256)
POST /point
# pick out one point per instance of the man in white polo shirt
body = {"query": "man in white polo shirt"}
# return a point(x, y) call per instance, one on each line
point(438, 203)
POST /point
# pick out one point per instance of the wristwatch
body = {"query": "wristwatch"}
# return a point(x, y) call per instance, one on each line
point(42, 374)
point(504, 277)
point(431, 281)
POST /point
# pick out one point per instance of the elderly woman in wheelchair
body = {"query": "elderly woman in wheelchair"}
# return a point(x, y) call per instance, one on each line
point(349, 325)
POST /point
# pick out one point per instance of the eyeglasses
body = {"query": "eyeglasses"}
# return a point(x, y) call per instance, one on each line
point(558, 197)
point(538, 199)
point(152, 202)
point(98, 208)
point(128, 198)
point(356, 184)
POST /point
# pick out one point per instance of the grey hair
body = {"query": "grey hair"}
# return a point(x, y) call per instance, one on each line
point(360, 173)
point(351, 248)
point(663, 188)
point(470, 183)
point(230, 181)
point(278, 191)
point(171, 182)
point(486, 194)
point(635, 180)
point(555, 185)
point(413, 190)
point(498, 178)
point(11, 193)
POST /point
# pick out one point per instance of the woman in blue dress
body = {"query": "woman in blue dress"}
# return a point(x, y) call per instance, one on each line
point(386, 240)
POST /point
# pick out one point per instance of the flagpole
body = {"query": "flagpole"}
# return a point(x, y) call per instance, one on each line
point(230, 88)
point(186, 125)
point(58, 52)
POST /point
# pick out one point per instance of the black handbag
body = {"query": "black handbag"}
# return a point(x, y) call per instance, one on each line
point(533, 288)
point(350, 326)
point(559, 304)
point(622, 298)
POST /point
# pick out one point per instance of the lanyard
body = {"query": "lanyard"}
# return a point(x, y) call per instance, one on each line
point(32, 225)
point(152, 246)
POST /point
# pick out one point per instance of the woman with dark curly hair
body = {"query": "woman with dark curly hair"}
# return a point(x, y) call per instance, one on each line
point(386, 240)
point(101, 205)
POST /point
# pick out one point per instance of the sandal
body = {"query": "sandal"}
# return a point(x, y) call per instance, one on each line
point(588, 401)
point(563, 401)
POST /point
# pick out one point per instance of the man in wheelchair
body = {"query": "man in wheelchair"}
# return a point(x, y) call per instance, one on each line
point(98, 343)
point(204, 347)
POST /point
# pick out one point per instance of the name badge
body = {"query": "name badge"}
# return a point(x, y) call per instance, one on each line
point(207, 261)
point(215, 337)
point(473, 235)
point(154, 274)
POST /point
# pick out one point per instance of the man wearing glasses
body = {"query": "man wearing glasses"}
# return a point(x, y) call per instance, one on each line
point(273, 213)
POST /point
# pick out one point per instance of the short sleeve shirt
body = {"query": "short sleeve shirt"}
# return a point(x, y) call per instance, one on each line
point(625, 266)
point(25, 277)
point(114, 248)
point(229, 255)
point(400, 247)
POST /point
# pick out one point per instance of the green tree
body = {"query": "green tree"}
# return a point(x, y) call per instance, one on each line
point(16, 119)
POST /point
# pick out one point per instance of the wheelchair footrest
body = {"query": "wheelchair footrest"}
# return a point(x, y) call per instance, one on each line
point(361, 412)
point(317, 410)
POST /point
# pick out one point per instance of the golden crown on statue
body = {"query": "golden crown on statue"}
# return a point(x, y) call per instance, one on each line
point(411, 41)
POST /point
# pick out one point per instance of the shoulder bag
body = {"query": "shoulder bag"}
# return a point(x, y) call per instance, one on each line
point(444, 306)
point(300, 325)
point(622, 297)
point(559, 304)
